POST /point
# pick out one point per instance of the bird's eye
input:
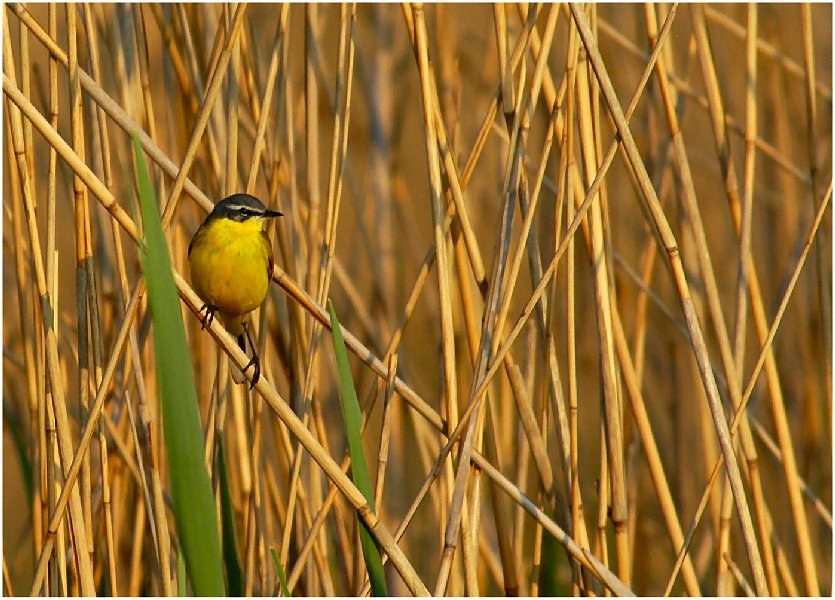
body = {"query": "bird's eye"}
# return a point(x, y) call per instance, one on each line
point(245, 212)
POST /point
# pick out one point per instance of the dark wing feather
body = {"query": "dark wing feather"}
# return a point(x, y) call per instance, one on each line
point(269, 248)
point(197, 234)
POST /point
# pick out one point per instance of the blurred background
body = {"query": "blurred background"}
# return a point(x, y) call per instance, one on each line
point(334, 94)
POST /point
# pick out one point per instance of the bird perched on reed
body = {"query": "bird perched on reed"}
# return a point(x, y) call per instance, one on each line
point(231, 262)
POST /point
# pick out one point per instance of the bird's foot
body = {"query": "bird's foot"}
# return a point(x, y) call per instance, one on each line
point(255, 363)
point(206, 319)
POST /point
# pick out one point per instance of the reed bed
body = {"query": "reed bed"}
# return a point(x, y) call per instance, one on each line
point(581, 257)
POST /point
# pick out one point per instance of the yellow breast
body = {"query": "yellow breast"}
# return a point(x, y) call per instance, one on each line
point(229, 264)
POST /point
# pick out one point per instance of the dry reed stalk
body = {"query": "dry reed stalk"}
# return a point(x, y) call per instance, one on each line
point(447, 335)
point(824, 285)
point(40, 458)
point(325, 265)
point(777, 404)
point(741, 304)
point(262, 114)
point(699, 348)
point(311, 95)
point(738, 576)
point(107, 200)
point(36, 416)
point(823, 512)
point(7, 580)
point(292, 257)
point(279, 494)
point(610, 155)
point(613, 426)
point(35, 409)
point(686, 89)
point(705, 264)
point(316, 452)
point(52, 283)
point(59, 406)
point(100, 124)
point(217, 74)
point(761, 360)
point(768, 50)
point(342, 104)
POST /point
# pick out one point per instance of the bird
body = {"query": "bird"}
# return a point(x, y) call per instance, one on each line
point(231, 262)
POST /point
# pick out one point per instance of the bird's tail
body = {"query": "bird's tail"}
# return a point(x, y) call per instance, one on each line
point(237, 374)
point(235, 326)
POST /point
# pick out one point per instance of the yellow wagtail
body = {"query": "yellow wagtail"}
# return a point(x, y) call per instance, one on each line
point(231, 262)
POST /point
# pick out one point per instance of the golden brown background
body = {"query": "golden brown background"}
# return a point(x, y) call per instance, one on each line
point(154, 62)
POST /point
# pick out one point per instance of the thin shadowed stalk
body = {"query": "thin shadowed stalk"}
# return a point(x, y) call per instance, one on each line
point(59, 406)
point(322, 271)
point(705, 265)
point(97, 327)
point(761, 360)
point(566, 174)
point(699, 348)
point(444, 273)
point(687, 90)
point(219, 94)
point(777, 401)
point(768, 50)
point(824, 286)
point(230, 346)
point(613, 427)
point(37, 450)
point(143, 423)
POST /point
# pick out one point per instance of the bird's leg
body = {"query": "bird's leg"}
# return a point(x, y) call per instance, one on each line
point(206, 319)
point(254, 361)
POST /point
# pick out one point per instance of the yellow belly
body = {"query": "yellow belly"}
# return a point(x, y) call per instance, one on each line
point(229, 270)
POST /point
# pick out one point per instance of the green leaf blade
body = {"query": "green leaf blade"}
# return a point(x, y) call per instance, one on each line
point(352, 417)
point(191, 492)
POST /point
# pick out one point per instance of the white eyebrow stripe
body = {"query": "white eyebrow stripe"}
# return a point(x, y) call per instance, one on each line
point(252, 209)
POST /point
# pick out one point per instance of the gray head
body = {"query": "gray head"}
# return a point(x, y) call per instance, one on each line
point(241, 207)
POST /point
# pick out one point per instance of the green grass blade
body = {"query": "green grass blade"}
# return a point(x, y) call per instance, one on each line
point(352, 417)
point(549, 585)
point(182, 588)
point(234, 573)
point(191, 493)
point(282, 576)
point(14, 427)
